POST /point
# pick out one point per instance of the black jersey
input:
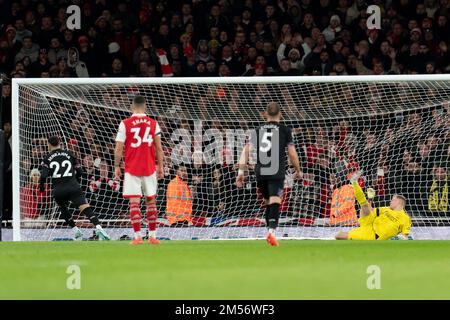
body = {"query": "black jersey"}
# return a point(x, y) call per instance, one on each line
point(63, 168)
point(270, 142)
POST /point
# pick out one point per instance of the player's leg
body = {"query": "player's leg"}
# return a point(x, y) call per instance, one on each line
point(62, 201)
point(262, 187)
point(80, 201)
point(149, 186)
point(366, 207)
point(342, 235)
point(87, 211)
point(275, 191)
point(132, 191)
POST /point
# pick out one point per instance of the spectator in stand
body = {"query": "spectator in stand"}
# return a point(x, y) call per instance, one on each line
point(21, 30)
point(88, 56)
point(56, 51)
point(42, 64)
point(200, 184)
point(117, 69)
point(35, 204)
point(104, 190)
point(218, 196)
point(286, 69)
point(333, 29)
point(438, 191)
point(29, 49)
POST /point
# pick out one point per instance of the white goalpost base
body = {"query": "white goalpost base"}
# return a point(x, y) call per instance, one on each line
point(395, 128)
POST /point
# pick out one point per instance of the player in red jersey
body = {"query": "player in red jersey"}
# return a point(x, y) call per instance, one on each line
point(140, 136)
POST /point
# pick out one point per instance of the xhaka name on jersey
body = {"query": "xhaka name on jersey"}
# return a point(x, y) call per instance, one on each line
point(139, 121)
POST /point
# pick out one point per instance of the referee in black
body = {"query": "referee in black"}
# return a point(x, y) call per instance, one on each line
point(270, 141)
point(65, 172)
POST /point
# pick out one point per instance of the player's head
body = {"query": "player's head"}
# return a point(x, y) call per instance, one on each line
point(273, 112)
point(398, 202)
point(182, 172)
point(54, 142)
point(139, 105)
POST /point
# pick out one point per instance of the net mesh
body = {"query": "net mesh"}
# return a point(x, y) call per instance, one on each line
point(397, 133)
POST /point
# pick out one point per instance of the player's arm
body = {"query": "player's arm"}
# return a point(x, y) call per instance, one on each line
point(159, 157)
point(45, 170)
point(406, 229)
point(292, 154)
point(242, 165)
point(118, 150)
point(77, 167)
point(293, 157)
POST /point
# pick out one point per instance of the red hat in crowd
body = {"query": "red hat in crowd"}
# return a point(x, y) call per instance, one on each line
point(83, 39)
point(416, 30)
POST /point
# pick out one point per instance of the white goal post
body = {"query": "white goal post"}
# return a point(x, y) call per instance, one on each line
point(395, 128)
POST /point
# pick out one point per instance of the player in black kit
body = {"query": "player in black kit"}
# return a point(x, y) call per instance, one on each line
point(65, 172)
point(270, 141)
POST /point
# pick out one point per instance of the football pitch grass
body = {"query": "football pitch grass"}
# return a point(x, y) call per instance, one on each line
point(226, 270)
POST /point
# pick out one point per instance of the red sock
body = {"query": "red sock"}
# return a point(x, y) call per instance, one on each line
point(152, 215)
point(135, 216)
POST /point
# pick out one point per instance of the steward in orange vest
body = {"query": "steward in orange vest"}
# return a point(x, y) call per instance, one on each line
point(179, 199)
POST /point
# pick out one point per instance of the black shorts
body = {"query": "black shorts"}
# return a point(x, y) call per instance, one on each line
point(63, 194)
point(271, 188)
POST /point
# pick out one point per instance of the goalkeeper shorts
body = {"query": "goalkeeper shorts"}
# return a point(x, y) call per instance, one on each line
point(365, 231)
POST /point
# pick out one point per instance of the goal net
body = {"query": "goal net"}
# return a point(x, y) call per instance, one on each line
point(394, 129)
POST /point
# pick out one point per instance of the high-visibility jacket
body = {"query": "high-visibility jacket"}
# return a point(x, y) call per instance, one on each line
point(343, 205)
point(438, 197)
point(179, 201)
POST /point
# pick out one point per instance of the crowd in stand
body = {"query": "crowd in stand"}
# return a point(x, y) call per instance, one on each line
point(244, 38)
point(223, 38)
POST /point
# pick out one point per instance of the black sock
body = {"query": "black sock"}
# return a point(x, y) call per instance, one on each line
point(267, 214)
point(273, 216)
point(91, 216)
point(67, 217)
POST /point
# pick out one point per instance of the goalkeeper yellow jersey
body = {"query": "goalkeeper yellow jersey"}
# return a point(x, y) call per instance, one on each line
point(388, 223)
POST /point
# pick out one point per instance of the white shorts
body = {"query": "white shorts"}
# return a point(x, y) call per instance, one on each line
point(133, 186)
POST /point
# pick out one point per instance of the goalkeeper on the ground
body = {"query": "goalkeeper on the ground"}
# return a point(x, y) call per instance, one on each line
point(378, 223)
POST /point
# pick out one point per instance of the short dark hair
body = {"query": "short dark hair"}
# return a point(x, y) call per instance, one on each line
point(401, 197)
point(54, 141)
point(273, 109)
point(139, 100)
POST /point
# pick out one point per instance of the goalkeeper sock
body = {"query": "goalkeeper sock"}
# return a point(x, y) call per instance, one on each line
point(273, 216)
point(91, 216)
point(135, 217)
point(67, 217)
point(152, 215)
point(359, 194)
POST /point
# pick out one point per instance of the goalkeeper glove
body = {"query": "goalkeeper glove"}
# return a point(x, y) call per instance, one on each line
point(370, 193)
point(402, 237)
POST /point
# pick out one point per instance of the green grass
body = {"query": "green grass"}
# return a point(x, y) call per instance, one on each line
point(226, 270)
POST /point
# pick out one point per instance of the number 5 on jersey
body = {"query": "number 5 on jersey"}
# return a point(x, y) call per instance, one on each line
point(146, 139)
point(266, 143)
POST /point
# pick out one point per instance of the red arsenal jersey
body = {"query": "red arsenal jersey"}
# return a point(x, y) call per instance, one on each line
point(138, 133)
